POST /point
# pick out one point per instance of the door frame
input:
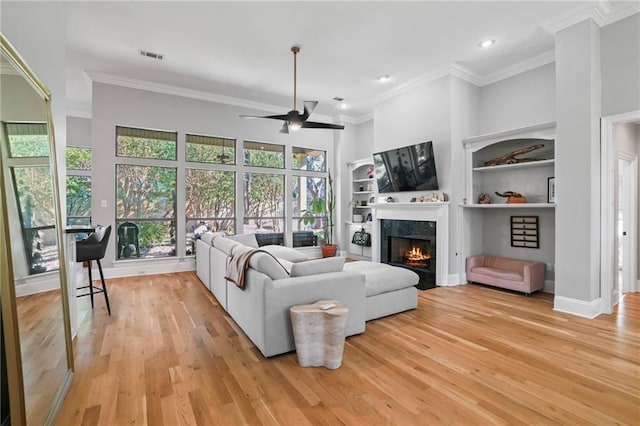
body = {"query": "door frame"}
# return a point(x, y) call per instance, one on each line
point(608, 166)
point(630, 271)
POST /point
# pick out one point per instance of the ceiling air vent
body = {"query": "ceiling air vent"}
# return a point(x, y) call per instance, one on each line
point(158, 56)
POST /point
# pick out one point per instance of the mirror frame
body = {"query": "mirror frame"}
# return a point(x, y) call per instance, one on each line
point(7, 279)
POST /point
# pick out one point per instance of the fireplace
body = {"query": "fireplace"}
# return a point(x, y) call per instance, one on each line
point(412, 245)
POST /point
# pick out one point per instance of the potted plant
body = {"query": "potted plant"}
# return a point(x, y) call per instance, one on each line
point(328, 248)
point(326, 208)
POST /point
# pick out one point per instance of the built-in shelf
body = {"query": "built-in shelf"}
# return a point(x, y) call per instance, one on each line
point(363, 192)
point(510, 206)
point(363, 180)
point(525, 165)
point(362, 207)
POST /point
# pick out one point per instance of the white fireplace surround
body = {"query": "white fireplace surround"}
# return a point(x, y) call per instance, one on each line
point(433, 212)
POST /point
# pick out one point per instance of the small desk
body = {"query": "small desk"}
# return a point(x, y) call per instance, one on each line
point(319, 334)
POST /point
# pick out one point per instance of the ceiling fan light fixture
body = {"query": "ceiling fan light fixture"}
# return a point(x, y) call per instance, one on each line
point(487, 43)
point(294, 125)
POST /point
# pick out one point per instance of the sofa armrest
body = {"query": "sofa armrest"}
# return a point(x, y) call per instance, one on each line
point(534, 276)
point(473, 261)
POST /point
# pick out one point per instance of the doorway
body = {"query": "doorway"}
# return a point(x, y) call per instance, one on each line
point(626, 224)
point(618, 209)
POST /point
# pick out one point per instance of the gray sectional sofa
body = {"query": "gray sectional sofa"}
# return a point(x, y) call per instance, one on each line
point(283, 277)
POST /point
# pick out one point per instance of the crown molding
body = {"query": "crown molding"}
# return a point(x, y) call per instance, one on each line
point(544, 58)
point(166, 89)
point(601, 12)
point(349, 119)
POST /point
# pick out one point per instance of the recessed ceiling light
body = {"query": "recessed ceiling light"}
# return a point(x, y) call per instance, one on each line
point(487, 43)
point(343, 105)
point(383, 78)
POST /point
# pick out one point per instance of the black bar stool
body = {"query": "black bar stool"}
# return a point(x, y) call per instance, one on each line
point(94, 248)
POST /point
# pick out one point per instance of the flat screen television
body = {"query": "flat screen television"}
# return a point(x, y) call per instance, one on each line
point(410, 168)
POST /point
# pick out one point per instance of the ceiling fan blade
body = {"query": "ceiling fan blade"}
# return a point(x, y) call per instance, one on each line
point(309, 106)
point(274, 117)
point(285, 128)
point(314, 125)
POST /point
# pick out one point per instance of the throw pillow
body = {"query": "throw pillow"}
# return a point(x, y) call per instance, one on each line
point(268, 265)
point(317, 266)
point(208, 237)
point(225, 245)
point(287, 253)
point(246, 239)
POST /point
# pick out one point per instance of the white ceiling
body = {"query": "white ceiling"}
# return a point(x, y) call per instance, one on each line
point(242, 49)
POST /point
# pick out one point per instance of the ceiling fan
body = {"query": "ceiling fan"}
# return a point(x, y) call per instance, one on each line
point(294, 120)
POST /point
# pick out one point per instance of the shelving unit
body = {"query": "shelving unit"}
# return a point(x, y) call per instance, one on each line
point(486, 227)
point(363, 192)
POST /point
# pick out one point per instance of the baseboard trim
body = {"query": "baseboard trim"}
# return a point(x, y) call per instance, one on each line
point(38, 283)
point(578, 307)
point(452, 280)
point(137, 268)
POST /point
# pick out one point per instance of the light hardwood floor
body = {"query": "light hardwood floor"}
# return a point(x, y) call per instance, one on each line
point(468, 355)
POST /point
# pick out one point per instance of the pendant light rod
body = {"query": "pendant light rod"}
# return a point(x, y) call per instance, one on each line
point(295, 50)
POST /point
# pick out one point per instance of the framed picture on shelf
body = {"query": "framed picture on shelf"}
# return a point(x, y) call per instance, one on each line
point(551, 189)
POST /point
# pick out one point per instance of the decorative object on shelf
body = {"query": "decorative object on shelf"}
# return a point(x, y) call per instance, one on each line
point(369, 217)
point(369, 171)
point(361, 238)
point(389, 200)
point(361, 188)
point(432, 197)
point(509, 158)
point(372, 200)
point(512, 197)
point(524, 231)
point(484, 198)
point(363, 203)
point(551, 189)
point(357, 218)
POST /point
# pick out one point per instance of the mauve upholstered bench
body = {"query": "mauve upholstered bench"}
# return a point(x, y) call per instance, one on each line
point(513, 274)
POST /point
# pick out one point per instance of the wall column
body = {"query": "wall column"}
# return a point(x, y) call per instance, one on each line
point(578, 109)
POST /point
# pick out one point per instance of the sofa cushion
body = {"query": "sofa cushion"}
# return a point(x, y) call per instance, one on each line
point(317, 266)
point(498, 273)
point(209, 236)
point(246, 239)
point(268, 265)
point(287, 253)
point(225, 245)
point(382, 278)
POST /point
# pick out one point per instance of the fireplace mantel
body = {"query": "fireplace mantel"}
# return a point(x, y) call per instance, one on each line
point(433, 211)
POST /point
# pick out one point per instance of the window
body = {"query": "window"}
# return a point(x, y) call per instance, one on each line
point(144, 143)
point(263, 201)
point(78, 186)
point(259, 154)
point(308, 197)
point(208, 149)
point(30, 171)
point(145, 211)
point(308, 159)
point(28, 139)
point(210, 196)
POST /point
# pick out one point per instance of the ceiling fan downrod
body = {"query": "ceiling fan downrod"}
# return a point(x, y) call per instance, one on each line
point(295, 50)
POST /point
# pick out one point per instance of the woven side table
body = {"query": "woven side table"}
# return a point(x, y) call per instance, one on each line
point(319, 333)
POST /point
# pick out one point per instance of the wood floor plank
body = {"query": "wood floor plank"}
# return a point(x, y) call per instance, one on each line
point(170, 355)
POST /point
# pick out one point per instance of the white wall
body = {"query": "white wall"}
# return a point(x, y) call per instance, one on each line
point(114, 105)
point(37, 31)
point(518, 101)
point(79, 132)
point(578, 162)
point(418, 115)
point(620, 54)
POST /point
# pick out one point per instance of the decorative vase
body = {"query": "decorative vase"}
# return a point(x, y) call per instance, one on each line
point(329, 250)
point(516, 200)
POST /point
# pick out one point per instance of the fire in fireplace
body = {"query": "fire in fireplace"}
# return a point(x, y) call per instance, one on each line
point(412, 245)
point(410, 251)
